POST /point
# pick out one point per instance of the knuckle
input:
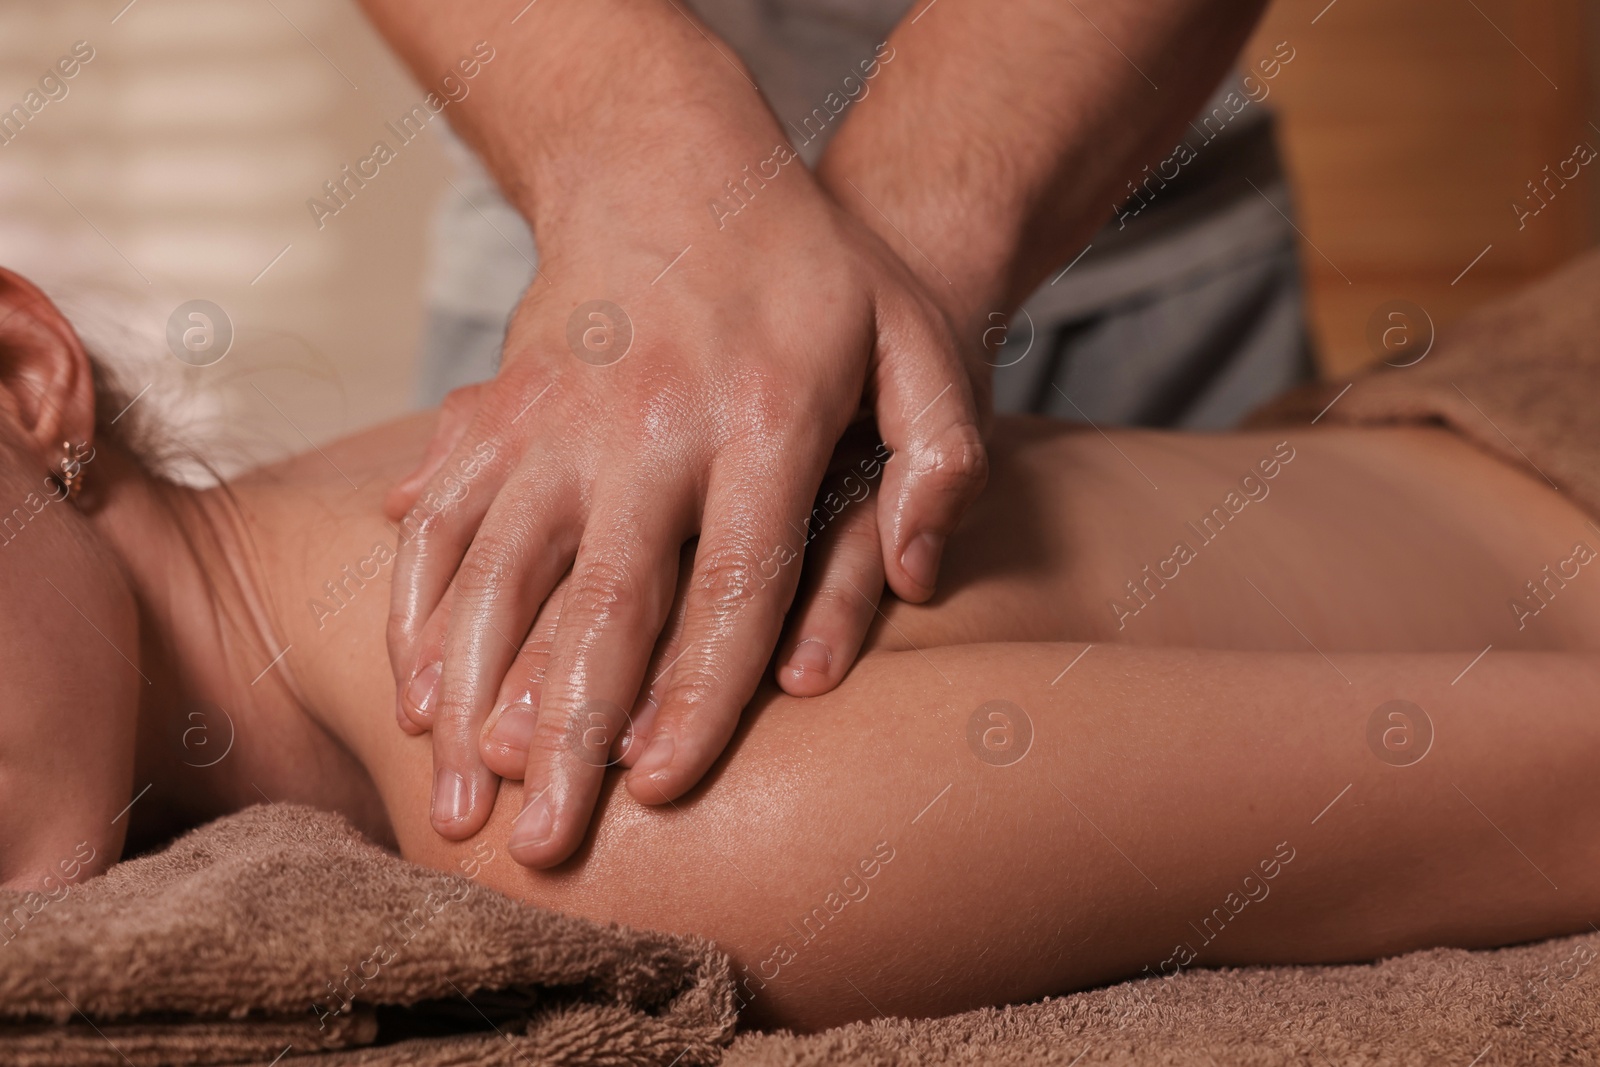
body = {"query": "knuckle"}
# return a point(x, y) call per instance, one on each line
point(532, 669)
point(532, 664)
point(692, 688)
point(601, 589)
point(957, 460)
point(430, 518)
point(839, 601)
point(488, 568)
point(762, 406)
point(406, 630)
point(664, 401)
point(702, 705)
point(455, 730)
point(858, 535)
point(583, 735)
point(549, 741)
point(398, 624)
point(727, 578)
point(536, 649)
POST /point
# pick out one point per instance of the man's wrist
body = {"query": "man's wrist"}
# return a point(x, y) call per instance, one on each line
point(587, 101)
point(963, 261)
point(696, 163)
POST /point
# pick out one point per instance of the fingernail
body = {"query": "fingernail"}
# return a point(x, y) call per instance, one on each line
point(512, 728)
point(424, 686)
point(533, 825)
point(921, 558)
point(656, 757)
point(811, 655)
point(452, 796)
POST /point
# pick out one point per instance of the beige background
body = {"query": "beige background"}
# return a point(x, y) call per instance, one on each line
point(179, 165)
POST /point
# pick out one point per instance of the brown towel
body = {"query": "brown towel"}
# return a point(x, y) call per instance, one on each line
point(215, 950)
point(1519, 378)
point(1521, 1007)
point(280, 930)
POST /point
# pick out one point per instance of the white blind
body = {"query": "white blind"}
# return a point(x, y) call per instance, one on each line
point(176, 165)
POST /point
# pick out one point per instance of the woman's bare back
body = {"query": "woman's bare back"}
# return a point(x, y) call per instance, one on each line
point(1169, 738)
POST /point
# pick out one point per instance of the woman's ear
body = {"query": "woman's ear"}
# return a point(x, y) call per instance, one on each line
point(46, 380)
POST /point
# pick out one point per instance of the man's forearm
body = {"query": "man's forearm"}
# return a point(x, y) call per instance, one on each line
point(584, 93)
point(1002, 134)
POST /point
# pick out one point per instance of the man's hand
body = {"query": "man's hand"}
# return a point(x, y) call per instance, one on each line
point(674, 373)
point(677, 371)
point(842, 560)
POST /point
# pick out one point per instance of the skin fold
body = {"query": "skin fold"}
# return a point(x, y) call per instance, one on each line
point(1201, 782)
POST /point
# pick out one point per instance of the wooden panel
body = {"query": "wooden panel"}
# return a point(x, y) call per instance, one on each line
point(1410, 130)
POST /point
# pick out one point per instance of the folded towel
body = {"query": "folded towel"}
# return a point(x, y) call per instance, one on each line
point(281, 931)
point(1520, 378)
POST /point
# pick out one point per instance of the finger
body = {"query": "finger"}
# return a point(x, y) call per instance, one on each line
point(669, 649)
point(455, 415)
point(521, 550)
point(928, 418)
point(418, 699)
point(509, 729)
point(736, 603)
point(434, 535)
point(611, 615)
point(839, 593)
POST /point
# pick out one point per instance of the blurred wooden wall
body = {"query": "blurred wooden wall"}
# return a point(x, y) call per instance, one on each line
point(1410, 127)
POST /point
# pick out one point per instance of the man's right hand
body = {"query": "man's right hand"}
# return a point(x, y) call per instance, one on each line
point(704, 326)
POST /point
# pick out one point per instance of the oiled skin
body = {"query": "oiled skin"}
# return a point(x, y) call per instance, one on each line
point(1200, 743)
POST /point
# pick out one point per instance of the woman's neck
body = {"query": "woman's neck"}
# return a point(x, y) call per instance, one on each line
point(223, 720)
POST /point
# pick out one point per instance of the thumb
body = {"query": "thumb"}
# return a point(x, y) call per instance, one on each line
point(928, 417)
point(454, 416)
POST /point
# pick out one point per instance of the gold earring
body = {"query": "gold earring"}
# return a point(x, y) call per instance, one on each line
point(71, 476)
